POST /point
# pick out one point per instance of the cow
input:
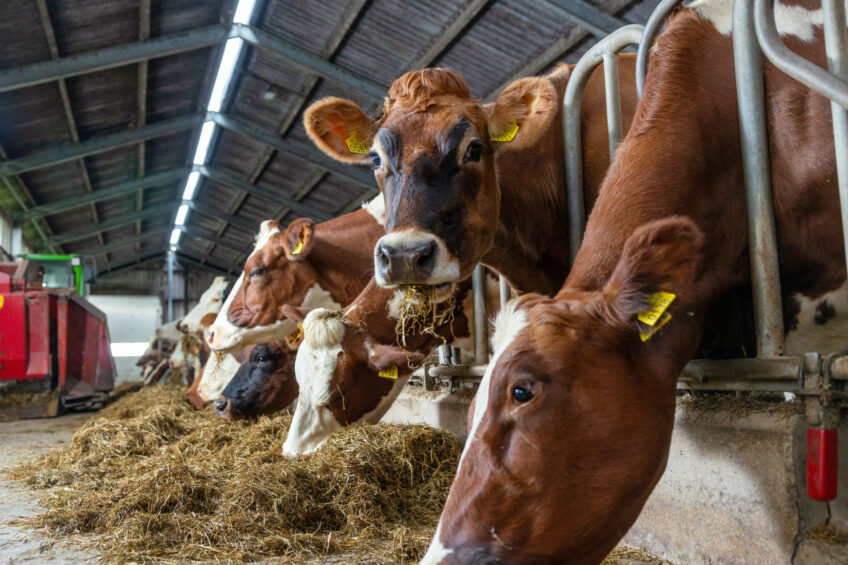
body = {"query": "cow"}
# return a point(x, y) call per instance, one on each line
point(572, 422)
point(154, 360)
point(460, 177)
point(191, 353)
point(307, 264)
point(210, 302)
point(350, 367)
point(264, 384)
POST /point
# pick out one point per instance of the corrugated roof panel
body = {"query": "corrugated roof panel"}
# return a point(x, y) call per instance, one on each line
point(22, 40)
point(32, 120)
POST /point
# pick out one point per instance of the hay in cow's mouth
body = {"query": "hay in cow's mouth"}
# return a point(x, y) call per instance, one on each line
point(424, 309)
point(159, 481)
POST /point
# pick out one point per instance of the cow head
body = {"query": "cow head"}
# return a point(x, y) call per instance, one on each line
point(433, 155)
point(276, 273)
point(345, 375)
point(573, 418)
point(219, 370)
point(210, 303)
point(264, 384)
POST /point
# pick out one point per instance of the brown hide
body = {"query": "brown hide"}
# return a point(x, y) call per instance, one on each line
point(579, 410)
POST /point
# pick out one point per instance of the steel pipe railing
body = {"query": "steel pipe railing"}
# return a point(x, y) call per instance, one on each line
point(481, 325)
point(762, 239)
point(652, 28)
point(608, 47)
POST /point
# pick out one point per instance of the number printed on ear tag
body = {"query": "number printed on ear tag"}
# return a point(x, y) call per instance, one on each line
point(355, 146)
point(659, 302)
point(509, 135)
point(390, 373)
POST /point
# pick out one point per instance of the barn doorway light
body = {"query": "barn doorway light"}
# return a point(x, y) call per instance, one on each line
point(223, 77)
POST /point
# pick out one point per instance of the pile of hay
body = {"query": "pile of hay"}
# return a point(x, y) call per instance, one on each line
point(160, 481)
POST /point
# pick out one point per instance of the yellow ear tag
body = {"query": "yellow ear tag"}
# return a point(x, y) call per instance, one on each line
point(293, 338)
point(655, 316)
point(2, 300)
point(298, 248)
point(355, 146)
point(390, 373)
point(509, 135)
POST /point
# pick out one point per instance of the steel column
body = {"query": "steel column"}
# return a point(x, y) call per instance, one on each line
point(836, 46)
point(170, 279)
point(762, 240)
point(652, 28)
point(481, 327)
point(572, 100)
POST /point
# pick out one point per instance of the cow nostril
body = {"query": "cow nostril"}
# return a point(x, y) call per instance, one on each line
point(425, 253)
point(222, 403)
point(382, 256)
point(210, 337)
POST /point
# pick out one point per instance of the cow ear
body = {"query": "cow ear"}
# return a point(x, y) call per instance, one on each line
point(522, 113)
point(340, 129)
point(658, 265)
point(296, 313)
point(384, 357)
point(298, 240)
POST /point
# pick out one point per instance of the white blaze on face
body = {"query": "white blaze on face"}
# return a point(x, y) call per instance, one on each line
point(314, 366)
point(168, 332)
point(508, 324)
point(217, 374)
point(177, 359)
point(210, 302)
point(790, 20)
point(377, 209)
point(446, 268)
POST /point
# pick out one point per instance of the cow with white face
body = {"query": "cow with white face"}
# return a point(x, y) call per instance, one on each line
point(350, 369)
point(210, 303)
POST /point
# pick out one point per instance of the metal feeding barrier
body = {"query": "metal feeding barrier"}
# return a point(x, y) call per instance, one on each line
point(819, 380)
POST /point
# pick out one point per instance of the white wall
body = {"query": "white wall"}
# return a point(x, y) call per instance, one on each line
point(132, 320)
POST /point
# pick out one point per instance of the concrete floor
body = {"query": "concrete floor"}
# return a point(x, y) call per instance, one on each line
point(21, 441)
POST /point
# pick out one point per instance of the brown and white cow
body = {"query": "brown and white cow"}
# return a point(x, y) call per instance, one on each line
point(210, 302)
point(350, 367)
point(264, 384)
point(573, 419)
point(306, 264)
point(460, 182)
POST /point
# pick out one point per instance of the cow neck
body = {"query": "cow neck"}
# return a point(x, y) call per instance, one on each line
point(675, 161)
point(343, 254)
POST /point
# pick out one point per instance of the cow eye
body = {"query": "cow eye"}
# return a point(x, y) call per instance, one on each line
point(472, 154)
point(256, 272)
point(521, 394)
point(376, 162)
point(262, 359)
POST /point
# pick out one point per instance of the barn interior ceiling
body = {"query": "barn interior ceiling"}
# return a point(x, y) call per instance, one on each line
point(128, 127)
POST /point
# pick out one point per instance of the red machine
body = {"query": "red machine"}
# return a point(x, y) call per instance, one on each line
point(54, 346)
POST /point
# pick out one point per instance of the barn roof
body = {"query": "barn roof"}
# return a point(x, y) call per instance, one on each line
point(102, 101)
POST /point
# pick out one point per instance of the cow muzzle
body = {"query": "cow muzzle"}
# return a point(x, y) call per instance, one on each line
point(413, 257)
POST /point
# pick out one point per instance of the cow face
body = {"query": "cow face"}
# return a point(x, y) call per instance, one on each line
point(264, 384)
point(338, 369)
point(210, 303)
point(217, 373)
point(276, 273)
point(433, 155)
point(573, 417)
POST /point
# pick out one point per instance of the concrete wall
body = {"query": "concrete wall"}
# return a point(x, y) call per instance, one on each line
point(131, 319)
point(734, 492)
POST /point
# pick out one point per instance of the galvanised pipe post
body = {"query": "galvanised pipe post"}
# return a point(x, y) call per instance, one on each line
point(612, 44)
point(612, 89)
point(836, 46)
point(652, 28)
point(762, 241)
point(503, 286)
point(481, 334)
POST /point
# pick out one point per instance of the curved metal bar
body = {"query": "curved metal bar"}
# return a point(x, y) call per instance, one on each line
point(794, 65)
point(613, 43)
point(762, 240)
point(652, 29)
